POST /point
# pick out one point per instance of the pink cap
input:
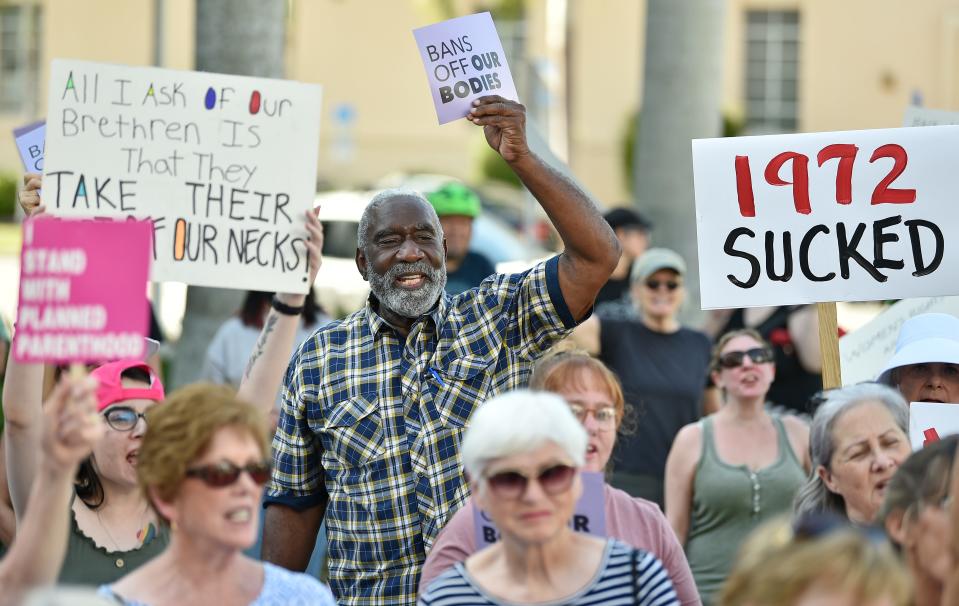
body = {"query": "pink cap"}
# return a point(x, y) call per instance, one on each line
point(111, 387)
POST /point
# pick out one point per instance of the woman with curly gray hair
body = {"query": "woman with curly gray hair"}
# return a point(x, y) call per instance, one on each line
point(857, 440)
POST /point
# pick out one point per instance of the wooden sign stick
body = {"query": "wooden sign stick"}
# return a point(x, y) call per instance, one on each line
point(829, 345)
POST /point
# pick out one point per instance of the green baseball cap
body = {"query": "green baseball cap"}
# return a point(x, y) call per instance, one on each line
point(454, 199)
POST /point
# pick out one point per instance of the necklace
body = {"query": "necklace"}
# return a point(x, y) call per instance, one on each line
point(145, 531)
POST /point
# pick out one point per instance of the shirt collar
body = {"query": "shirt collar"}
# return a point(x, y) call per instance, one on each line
point(377, 323)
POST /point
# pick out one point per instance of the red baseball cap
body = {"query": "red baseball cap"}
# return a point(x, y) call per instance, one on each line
point(111, 389)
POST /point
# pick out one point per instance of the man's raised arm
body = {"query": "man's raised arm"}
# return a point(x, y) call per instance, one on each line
point(591, 248)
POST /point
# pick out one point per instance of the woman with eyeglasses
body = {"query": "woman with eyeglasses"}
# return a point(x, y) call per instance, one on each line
point(662, 364)
point(202, 468)
point(523, 452)
point(858, 438)
point(595, 397)
point(734, 469)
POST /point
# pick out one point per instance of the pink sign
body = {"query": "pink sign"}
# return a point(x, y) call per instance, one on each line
point(83, 290)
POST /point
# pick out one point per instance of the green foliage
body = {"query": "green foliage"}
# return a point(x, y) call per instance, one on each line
point(8, 196)
point(732, 127)
point(493, 167)
point(507, 10)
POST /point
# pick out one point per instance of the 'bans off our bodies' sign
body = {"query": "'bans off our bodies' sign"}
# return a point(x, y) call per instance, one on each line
point(857, 215)
point(224, 166)
point(464, 60)
point(82, 290)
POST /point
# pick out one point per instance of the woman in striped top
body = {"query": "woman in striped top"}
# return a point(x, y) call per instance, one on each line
point(523, 452)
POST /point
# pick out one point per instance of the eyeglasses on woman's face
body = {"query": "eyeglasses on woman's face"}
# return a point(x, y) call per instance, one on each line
point(669, 285)
point(225, 473)
point(605, 417)
point(735, 359)
point(123, 418)
point(512, 485)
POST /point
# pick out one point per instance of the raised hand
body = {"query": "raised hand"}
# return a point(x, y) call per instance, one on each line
point(504, 124)
point(71, 425)
point(29, 196)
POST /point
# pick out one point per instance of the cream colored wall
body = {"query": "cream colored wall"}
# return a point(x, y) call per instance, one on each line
point(111, 31)
point(364, 55)
point(860, 60)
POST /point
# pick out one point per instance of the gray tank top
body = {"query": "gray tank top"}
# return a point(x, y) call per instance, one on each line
point(729, 502)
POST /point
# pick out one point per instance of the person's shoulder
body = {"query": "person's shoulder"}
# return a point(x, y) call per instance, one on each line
point(627, 502)
point(449, 588)
point(696, 335)
point(282, 586)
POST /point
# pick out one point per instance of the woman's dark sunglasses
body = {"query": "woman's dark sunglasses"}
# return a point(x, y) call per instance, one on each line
point(512, 484)
point(655, 284)
point(734, 359)
point(123, 418)
point(223, 474)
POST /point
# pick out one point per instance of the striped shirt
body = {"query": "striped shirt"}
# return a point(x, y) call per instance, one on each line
point(614, 584)
point(375, 421)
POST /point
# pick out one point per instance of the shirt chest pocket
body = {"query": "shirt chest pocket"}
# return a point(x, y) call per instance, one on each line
point(353, 434)
point(467, 383)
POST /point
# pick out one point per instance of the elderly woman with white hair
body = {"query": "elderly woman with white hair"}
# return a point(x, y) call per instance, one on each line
point(522, 453)
point(858, 438)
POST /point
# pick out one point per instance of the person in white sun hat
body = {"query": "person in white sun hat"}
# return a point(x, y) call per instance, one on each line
point(925, 366)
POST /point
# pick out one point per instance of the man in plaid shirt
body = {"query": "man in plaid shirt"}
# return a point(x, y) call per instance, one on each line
point(375, 405)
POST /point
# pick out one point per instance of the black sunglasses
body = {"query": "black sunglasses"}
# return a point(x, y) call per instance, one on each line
point(734, 359)
point(225, 473)
point(123, 418)
point(512, 484)
point(655, 284)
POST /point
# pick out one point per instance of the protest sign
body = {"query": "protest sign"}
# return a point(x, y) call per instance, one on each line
point(82, 290)
point(224, 166)
point(844, 216)
point(29, 140)
point(464, 60)
point(920, 116)
point(865, 351)
point(930, 421)
point(589, 515)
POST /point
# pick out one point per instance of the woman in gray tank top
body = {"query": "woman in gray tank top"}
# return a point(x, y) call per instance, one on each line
point(734, 469)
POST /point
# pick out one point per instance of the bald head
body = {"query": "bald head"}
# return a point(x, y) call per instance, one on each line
point(379, 207)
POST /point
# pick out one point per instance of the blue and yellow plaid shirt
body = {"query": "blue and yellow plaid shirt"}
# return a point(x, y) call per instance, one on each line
point(375, 422)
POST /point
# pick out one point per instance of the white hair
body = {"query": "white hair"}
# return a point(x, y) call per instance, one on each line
point(362, 235)
point(519, 422)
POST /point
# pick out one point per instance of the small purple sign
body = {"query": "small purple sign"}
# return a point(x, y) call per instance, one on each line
point(30, 142)
point(589, 515)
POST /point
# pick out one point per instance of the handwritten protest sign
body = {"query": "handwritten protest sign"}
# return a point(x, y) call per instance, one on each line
point(843, 216)
point(464, 60)
point(30, 143)
point(930, 421)
point(589, 515)
point(864, 352)
point(82, 290)
point(921, 116)
point(224, 166)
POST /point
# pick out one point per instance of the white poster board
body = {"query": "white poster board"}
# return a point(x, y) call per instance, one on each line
point(868, 215)
point(929, 421)
point(464, 60)
point(224, 166)
point(921, 116)
point(865, 351)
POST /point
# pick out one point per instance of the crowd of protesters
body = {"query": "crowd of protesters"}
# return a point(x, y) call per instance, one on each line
point(400, 423)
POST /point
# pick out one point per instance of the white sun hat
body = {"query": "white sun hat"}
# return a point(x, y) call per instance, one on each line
point(924, 338)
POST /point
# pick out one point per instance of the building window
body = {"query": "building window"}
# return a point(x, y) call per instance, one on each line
point(20, 43)
point(772, 71)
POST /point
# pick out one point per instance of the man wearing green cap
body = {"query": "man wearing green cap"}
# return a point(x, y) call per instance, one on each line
point(457, 207)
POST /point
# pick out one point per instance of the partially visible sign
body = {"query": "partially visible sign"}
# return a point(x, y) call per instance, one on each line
point(930, 421)
point(589, 515)
point(82, 290)
point(920, 116)
point(464, 60)
point(864, 352)
point(30, 143)
point(819, 217)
